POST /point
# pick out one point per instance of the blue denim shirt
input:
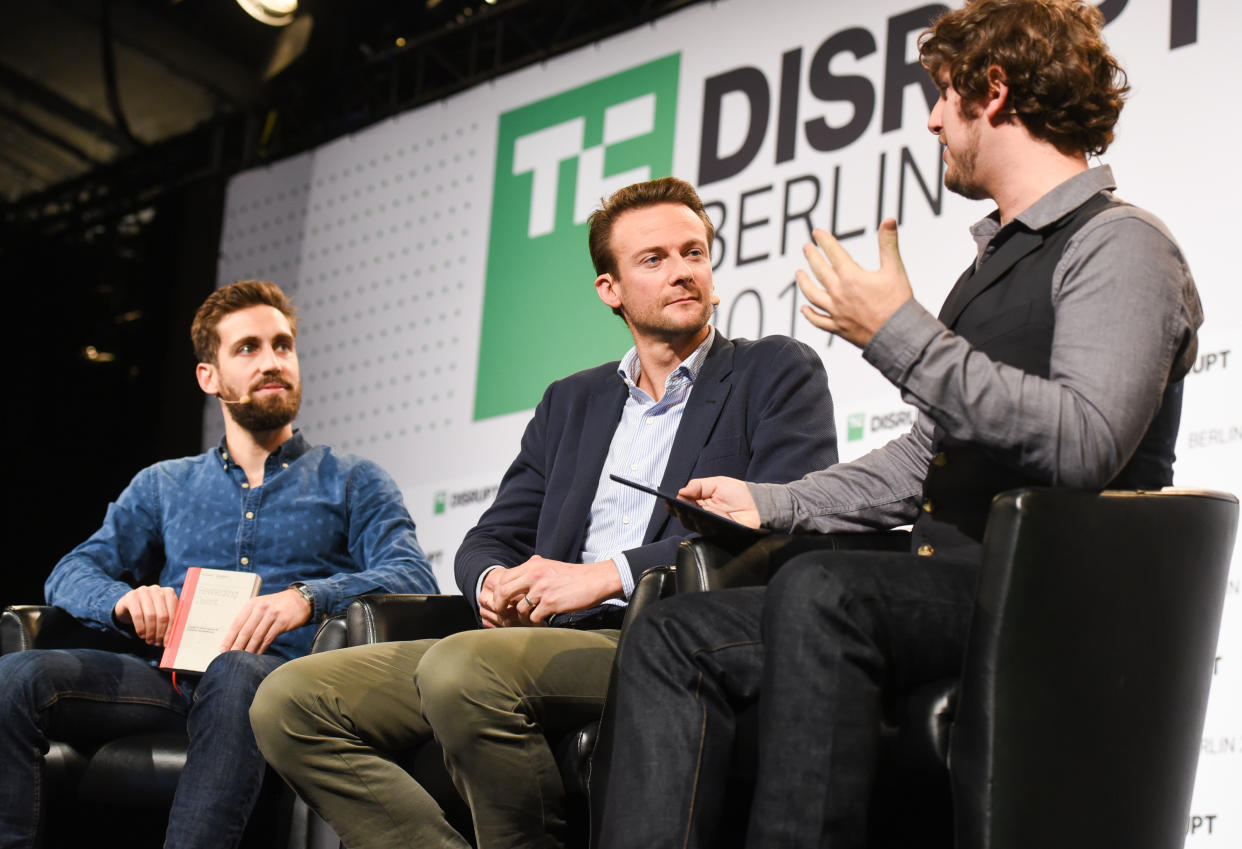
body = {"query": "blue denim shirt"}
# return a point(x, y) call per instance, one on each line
point(335, 522)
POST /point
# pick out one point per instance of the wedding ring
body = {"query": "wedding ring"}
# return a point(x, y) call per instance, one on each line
point(533, 604)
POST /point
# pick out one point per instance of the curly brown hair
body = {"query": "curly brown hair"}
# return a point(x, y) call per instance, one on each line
point(1064, 85)
point(228, 299)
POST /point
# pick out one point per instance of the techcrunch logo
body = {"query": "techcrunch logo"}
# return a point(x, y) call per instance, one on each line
point(555, 159)
point(541, 153)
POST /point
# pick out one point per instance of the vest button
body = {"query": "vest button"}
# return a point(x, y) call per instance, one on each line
point(927, 505)
point(940, 460)
point(926, 550)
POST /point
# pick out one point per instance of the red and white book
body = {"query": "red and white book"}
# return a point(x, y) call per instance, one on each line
point(210, 600)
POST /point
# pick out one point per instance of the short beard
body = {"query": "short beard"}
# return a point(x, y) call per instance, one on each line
point(267, 414)
point(965, 188)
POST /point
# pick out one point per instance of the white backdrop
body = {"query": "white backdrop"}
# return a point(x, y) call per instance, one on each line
point(427, 253)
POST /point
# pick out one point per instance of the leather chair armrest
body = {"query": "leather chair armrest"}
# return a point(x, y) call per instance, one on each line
point(706, 563)
point(656, 583)
point(42, 626)
point(406, 616)
point(331, 634)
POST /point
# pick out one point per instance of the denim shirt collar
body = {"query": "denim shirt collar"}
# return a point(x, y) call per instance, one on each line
point(285, 454)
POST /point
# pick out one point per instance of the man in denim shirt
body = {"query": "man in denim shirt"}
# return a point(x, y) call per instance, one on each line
point(318, 527)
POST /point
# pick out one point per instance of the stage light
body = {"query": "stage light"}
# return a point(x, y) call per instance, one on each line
point(276, 13)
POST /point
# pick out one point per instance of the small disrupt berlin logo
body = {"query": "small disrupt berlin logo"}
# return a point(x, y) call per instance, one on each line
point(856, 423)
point(555, 159)
point(856, 426)
point(444, 500)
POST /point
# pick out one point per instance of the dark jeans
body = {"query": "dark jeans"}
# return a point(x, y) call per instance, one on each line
point(818, 648)
point(86, 697)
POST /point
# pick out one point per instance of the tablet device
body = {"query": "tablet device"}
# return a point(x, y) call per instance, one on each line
point(692, 515)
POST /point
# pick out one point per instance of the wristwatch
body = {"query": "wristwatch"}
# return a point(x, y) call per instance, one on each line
point(306, 594)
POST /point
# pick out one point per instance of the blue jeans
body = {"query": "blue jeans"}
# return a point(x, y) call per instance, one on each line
point(817, 648)
point(86, 697)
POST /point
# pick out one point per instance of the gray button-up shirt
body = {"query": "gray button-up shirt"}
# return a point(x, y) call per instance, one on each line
point(1126, 313)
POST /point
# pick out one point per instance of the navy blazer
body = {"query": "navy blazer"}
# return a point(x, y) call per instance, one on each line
point(759, 410)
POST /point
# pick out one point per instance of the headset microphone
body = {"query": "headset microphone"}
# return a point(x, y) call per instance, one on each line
point(245, 399)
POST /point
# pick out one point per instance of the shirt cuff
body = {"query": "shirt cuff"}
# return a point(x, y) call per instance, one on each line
point(623, 570)
point(900, 341)
point(775, 505)
point(478, 586)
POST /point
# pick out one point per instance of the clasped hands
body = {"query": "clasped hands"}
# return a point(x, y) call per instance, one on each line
point(150, 610)
point(534, 591)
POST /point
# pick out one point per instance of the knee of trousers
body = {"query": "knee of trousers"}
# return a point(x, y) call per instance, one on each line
point(284, 708)
point(464, 690)
point(23, 674)
point(233, 677)
point(664, 637)
point(818, 586)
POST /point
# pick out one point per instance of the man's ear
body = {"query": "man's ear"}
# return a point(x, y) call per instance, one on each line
point(996, 105)
point(606, 288)
point(208, 380)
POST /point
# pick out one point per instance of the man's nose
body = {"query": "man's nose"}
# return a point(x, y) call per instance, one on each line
point(268, 361)
point(681, 269)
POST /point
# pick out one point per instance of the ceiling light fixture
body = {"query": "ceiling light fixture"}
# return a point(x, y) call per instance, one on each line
point(275, 13)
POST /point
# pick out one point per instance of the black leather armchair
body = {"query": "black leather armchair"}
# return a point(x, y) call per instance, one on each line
point(137, 773)
point(1077, 718)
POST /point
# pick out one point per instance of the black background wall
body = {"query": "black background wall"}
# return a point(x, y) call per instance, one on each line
point(79, 428)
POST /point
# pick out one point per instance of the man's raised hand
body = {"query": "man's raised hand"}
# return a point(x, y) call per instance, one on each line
point(846, 299)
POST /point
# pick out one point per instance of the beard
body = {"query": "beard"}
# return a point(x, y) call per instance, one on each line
point(266, 413)
point(654, 322)
point(961, 173)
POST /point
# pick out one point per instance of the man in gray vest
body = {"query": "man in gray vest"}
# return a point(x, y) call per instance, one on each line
point(1057, 360)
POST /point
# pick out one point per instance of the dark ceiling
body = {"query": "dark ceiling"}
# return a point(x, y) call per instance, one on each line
point(105, 104)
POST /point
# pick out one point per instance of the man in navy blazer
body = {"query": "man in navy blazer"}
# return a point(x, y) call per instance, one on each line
point(551, 563)
point(761, 406)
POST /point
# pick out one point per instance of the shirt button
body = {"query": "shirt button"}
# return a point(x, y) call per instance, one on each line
point(940, 460)
point(625, 520)
point(249, 515)
point(245, 486)
point(927, 506)
point(650, 422)
point(926, 550)
point(633, 467)
point(284, 465)
point(245, 561)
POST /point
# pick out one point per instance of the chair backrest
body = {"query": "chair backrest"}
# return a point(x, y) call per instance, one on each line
point(1086, 680)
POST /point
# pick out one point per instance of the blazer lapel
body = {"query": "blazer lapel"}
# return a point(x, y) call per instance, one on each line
point(970, 286)
point(599, 423)
point(707, 400)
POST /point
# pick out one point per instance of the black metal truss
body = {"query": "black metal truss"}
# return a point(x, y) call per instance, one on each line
point(327, 98)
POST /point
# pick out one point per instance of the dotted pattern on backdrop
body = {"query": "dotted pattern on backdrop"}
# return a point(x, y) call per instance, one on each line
point(382, 260)
point(264, 217)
